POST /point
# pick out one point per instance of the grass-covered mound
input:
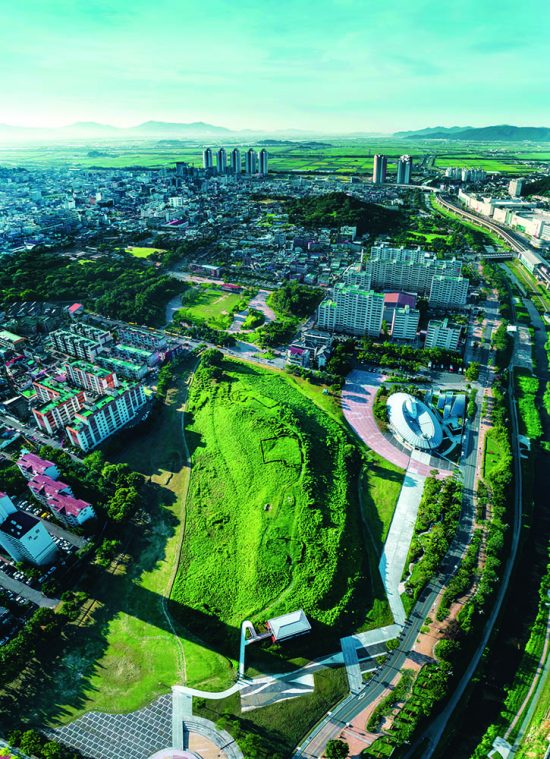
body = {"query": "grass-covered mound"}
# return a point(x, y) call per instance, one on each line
point(272, 519)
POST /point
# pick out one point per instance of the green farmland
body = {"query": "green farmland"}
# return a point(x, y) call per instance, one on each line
point(332, 155)
point(272, 518)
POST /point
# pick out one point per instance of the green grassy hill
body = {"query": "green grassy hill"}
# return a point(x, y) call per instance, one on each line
point(272, 519)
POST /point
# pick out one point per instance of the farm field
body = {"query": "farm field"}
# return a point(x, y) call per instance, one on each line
point(138, 252)
point(273, 521)
point(342, 155)
point(210, 305)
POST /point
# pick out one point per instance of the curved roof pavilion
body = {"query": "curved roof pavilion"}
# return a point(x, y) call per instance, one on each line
point(414, 422)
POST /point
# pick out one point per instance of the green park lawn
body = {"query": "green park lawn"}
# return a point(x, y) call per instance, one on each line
point(529, 415)
point(272, 519)
point(138, 252)
point(132, 650)
point(493, 453)
point(209, 305)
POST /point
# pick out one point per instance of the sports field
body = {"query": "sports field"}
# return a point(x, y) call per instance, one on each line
point(207, 304)
point(272, 520)
point(143, 252)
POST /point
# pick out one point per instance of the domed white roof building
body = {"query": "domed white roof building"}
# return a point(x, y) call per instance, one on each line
point(414, 423)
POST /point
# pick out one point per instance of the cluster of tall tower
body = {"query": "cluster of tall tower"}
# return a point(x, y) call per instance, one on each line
point(404, 169)
point(254, 163)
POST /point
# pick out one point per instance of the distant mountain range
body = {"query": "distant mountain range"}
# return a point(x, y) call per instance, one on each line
point(431, 130)
point(94, 129)
point(501, 133)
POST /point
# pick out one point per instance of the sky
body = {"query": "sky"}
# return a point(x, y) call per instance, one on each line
point(332, 66)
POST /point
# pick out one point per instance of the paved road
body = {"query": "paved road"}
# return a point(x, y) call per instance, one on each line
point(33, 433)
point(22, 589)
point(331, 725)
point(429, 740)
point(516, 241)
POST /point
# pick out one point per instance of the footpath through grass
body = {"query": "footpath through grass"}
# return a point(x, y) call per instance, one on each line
point(273, 521)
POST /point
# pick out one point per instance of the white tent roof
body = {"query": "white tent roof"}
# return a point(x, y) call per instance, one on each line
point(289, 625)
point(414, 422)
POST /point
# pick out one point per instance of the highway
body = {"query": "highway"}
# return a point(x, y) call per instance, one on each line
point(514, 240)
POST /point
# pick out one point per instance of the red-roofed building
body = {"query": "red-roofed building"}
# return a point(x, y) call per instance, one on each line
point(398, 300)
point(43, 487)
point(70, 510)
point(76, 309)
point(30, 465)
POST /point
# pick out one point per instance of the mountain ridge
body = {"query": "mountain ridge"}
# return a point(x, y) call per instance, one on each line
point(498, 133)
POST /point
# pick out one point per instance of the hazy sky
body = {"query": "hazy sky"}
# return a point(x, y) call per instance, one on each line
point(334, 65)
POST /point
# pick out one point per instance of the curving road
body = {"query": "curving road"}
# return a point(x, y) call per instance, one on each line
point(514, 240)
point(430, 738)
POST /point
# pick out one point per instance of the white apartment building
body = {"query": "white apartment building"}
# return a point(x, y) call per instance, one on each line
point(352, 310)
point(98, 421)
point(23, 536)
point(441, 334)
point(403, 269)
point(404, 325)
point(448, 292)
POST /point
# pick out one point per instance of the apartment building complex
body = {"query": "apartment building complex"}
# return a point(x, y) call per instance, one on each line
point(404, 324)
point(81, 341)
point(442, 334)
point(404, 269)
point(448, 292)
point(353, 310)
point(23, 536)
point(93, 378)
point(97, 420)
point(59, 404)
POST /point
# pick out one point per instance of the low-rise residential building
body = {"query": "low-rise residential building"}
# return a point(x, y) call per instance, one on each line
point(72, 344)
point(136, 355)
point(441, 334)
point(72, 511)
point(58, 497)
point(143, 338)
point(99, 420)
point(123, 367)
point(43, 487)
point(30, 465)
point(23, 536)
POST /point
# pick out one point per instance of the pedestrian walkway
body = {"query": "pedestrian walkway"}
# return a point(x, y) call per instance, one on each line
point(396, 548)
point(358, 396)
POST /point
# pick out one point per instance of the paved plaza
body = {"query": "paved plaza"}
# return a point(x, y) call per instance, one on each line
point(358, 396)
point(137, 735)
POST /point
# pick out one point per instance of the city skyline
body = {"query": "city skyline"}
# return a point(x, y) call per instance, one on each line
point(343, 69)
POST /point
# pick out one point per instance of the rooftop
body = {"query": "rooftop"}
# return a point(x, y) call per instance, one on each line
point(414, 422)
point(289, 625)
